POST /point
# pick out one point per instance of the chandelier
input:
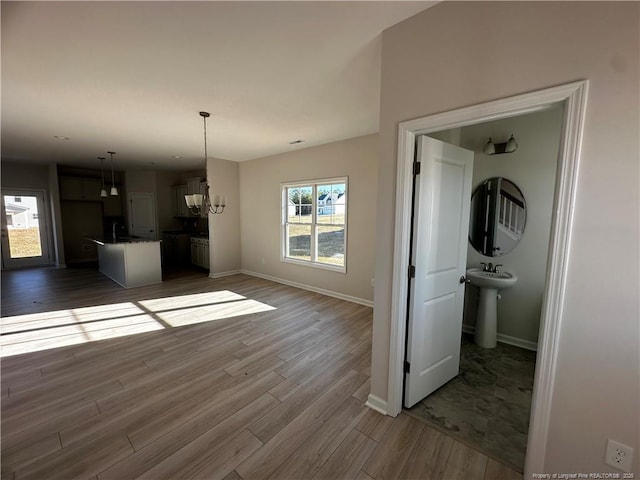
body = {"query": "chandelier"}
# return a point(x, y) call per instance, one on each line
point(202, 202)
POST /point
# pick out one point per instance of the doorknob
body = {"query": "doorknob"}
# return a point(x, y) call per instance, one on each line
point(463, 279)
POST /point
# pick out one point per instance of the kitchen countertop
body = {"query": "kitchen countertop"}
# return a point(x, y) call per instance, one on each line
point(190, 234)
point(120, 240)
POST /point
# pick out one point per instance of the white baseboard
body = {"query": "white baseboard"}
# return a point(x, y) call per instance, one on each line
point(376, 403)
point(224, 274)
point(311, 288)
point(516, 342)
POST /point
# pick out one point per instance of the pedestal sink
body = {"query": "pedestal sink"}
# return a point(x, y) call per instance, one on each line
point(489, 284)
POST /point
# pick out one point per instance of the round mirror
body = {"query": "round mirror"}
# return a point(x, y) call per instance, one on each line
point(498, 217)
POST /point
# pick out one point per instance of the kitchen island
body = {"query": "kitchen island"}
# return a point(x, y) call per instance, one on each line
point(130, 263)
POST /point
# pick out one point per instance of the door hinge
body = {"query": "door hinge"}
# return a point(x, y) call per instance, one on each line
point(416, 168)
point(412, 271)
point(407, 367)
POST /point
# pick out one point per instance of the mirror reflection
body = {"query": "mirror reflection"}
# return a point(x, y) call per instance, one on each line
point(498, 217)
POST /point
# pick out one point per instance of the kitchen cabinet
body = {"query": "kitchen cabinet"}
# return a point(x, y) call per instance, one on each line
point(200, 252)
point(193, 185)
point(112, 205)
point(88, 190)
point(77, 188)
point(175, 248)
point(180, 206)
point(130, 264)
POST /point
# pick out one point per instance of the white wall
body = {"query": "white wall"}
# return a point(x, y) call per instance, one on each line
point(533, 169)
point(224, 229)
point(24, 175)
point(261, 215)
point(464, 53)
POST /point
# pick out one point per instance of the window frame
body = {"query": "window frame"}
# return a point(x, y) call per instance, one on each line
point(284, 199)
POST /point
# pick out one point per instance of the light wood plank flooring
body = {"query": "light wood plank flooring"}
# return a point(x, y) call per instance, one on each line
point(235, 378)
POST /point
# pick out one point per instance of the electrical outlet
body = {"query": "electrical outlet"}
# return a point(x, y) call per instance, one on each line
point(373, 282)
point(618, 456)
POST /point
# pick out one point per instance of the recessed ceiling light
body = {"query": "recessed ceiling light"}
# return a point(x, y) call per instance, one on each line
point(61, 137)
point(177, 157)
point(296, 142)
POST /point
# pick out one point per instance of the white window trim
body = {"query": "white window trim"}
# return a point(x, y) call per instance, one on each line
point(314, 212)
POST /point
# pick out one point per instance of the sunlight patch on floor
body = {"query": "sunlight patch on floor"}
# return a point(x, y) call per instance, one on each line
point(192, 300)
point(42, 331)
point(209, 313)
point(202, 307)
point(33, 321)
point(61, 328)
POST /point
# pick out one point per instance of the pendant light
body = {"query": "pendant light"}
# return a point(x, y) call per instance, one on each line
point(103, 192)
point(114, 190)
point(196, 202)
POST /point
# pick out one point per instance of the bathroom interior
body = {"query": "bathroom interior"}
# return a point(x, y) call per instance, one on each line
point(488, 404)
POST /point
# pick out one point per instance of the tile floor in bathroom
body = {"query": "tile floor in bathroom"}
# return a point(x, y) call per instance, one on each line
point(487, 405)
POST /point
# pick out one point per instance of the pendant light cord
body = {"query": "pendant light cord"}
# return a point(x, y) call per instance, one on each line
point(102, 169)
point(204, 119)
point(113, 183)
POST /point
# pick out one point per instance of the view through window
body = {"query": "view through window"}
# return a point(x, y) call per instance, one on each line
point(23, 226)
point(315, 222)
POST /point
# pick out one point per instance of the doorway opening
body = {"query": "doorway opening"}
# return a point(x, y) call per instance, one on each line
point(486, 401)
point(573, 98)
point(25, 240)
point(143, 216)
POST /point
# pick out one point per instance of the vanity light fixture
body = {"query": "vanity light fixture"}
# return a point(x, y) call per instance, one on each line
point(509, 146)
point(114, 190)
point(103, 192)
point(197, 202)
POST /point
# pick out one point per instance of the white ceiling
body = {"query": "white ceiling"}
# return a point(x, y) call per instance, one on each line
point(132, 76)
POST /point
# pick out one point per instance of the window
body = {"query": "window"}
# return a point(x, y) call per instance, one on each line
point(314, 219)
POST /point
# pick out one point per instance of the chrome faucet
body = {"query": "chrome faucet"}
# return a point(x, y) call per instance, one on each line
point(489, 267)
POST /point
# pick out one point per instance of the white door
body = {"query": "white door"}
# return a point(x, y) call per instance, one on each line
point(143, 215)
point(24, 229)
point(439, 254)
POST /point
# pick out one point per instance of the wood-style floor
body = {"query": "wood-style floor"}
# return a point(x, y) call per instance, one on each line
point(234, 378)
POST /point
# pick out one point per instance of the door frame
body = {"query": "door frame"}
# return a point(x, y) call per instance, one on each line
point(574, 98)
point(45, 227)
